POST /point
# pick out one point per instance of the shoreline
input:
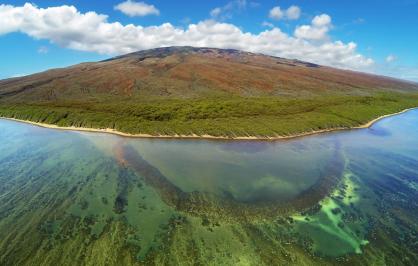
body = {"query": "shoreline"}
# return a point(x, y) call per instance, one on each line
point(207, 137)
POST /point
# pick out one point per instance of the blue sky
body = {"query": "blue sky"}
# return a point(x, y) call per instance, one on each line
point(36, 36)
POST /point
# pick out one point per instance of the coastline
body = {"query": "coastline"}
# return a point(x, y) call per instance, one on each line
point(209, 137)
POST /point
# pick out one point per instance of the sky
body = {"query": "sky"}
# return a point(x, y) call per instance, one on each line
point(373, 36)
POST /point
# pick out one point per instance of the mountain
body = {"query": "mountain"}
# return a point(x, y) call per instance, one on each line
point(187, 72)
point(190, 91)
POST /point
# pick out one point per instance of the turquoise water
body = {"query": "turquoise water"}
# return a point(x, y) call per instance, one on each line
point(319, 198)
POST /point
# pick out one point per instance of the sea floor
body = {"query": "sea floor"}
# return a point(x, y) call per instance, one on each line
point(344, 198)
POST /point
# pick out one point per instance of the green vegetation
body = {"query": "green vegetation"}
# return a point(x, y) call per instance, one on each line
point(236, 116)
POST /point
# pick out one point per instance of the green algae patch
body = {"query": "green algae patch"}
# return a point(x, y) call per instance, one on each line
point(331, 234)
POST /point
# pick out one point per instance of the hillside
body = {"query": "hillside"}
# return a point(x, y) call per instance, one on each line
point(186, 90)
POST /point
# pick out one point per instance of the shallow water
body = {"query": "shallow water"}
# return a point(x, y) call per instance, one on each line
point(89, 198)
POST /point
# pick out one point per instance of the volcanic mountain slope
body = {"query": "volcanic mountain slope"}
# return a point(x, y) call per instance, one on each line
point(204, 91)
point(187, 72)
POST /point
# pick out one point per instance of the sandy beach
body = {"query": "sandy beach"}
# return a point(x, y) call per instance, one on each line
point(194, 136)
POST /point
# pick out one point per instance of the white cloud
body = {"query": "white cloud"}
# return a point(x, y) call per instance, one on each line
point(292, 13)
point(43, 50)
point(391, 58)
point(323, 20)
point(226, 11)
point(276, 13)
point(67, 27)
point(140, 9)
point(267, 24)
point(310, 32)
point(216, 12)
point(18, 75)
point(317, 31)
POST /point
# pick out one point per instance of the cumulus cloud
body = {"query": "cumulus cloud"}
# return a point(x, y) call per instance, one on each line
point(323, 20)
point(317, 31)
point(292, 13)
point(134, 9)
point(391, 58)
point(276, 13)
point(67, 27)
